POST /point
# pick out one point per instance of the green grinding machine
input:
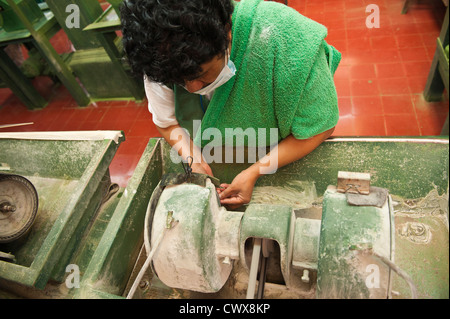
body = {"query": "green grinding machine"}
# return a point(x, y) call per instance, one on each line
point(348, 253)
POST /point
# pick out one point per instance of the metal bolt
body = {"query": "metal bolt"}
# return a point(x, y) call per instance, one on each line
point(305, 277)
point(7, 208)
point(143, 284)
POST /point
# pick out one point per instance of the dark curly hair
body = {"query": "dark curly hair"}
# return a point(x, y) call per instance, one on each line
point(168, 40)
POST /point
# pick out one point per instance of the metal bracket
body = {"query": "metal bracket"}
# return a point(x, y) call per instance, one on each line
point(356, 183)
point(7, 257)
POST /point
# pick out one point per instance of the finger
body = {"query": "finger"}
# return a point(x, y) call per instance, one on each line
point(226, 192)
point(221, 188)
point(232, 201)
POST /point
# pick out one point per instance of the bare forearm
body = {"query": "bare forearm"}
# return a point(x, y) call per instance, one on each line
point(287, 151)
point(178, 139)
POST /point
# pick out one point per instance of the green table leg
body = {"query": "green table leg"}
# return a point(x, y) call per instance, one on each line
point(405, 6)
point(19, 83)
point(435, 83)
point(444, 131)
point(63, 72)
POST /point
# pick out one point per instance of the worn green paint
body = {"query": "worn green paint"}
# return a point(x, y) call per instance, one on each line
point(106, 22)
point(54, 195)
point(55, 61)
point(306, 243)
point(88, 12)
point(427, 264)
point(424, 253)
point(58, 229)
point(411, 169)
point(83, 256)
point(51, 159)
point(407, 169)
point(82, 230)
point(97, 61)
point(10, 22)
point(275, 222)
point(19, 84)
point(17, 32)
point(192, 209)
point(438, 78)
point(343, 228)
point(267, 221)
point(101, 79)
point(111, 264)
point(190, 205)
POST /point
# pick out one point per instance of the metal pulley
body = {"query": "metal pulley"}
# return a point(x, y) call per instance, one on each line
point(18, 207)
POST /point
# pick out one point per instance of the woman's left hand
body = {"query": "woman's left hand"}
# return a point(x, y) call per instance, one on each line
point(239, 192)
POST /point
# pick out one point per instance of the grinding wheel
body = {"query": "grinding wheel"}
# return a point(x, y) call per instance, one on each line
point(18, 207)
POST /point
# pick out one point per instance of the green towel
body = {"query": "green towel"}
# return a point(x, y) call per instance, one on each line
point(284, 77)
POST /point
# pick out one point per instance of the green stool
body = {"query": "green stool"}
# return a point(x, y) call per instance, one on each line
point(438, 78)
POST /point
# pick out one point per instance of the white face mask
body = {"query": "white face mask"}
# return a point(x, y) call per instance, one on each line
point(227, 73)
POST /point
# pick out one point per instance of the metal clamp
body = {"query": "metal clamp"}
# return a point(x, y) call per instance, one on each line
point(188, 168)
point(356, 183)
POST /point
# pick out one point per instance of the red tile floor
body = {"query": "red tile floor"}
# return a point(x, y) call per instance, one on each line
point(379, 81)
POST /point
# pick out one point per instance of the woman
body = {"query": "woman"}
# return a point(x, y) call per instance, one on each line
point(249, 65)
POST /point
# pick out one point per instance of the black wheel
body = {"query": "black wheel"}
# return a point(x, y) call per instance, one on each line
point(18, 207)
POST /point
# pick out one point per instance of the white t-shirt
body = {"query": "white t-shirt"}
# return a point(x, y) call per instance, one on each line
point(161, 103)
